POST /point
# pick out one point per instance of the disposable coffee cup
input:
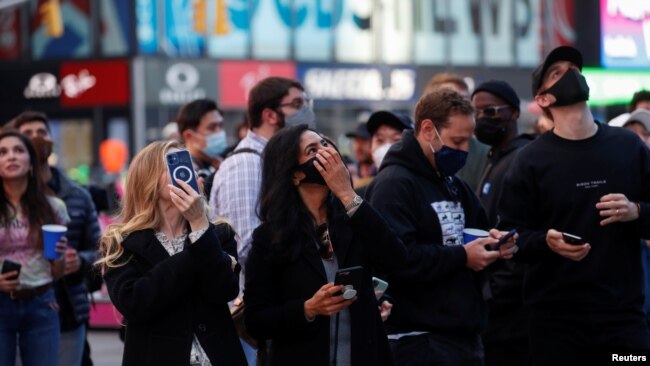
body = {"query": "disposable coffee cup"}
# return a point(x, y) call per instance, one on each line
point(51, 235)
point(470, 235)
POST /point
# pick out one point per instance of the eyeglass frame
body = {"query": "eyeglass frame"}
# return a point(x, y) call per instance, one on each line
point(495, 108)
point(303, 101)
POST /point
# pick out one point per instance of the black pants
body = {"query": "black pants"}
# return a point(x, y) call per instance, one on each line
point(437, 350)
point(585, 336)
point(511, 352)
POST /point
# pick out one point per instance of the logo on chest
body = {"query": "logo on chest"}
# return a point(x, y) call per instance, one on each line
point(452, 221)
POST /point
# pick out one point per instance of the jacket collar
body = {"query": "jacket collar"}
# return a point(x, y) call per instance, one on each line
point(144, 244)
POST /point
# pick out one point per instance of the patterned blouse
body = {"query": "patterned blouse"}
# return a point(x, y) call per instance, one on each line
point(173, 246)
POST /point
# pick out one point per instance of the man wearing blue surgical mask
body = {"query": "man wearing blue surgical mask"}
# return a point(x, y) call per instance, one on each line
point(438, 309)
point(200, 124)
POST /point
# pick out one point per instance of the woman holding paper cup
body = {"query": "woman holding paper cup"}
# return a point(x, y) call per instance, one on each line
point(166, 271)
point(29, 317)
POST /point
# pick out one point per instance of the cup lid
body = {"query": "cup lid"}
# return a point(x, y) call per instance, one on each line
point(476, 232)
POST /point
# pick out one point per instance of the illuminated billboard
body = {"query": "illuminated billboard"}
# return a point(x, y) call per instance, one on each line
point(625, 33)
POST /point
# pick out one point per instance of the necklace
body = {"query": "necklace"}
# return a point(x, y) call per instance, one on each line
point(324, 242)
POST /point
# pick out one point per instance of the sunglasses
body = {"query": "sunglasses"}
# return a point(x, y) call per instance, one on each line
point(491, 111)
point(325, 248)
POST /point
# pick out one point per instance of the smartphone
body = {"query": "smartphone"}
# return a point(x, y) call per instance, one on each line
point(379, 286)
point(351, 279)
point(179, 165)
point(572, 239)
point(503, 239)
point(10, 266)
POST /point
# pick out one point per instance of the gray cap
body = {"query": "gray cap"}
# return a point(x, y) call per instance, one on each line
point(640, 115)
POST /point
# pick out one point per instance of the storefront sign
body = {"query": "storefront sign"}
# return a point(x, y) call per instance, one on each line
point(94, 83)
point(236, 78)
point(177, 83)
point(358, 83)
point(42, 85)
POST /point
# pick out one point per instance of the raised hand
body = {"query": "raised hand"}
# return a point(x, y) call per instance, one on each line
point(190, 203)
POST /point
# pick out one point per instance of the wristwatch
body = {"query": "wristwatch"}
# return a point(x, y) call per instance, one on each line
point(356, 202)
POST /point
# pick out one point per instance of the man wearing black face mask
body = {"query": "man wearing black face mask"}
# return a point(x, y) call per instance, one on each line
point(438, 310)
point(592, 181)
point(496, 108)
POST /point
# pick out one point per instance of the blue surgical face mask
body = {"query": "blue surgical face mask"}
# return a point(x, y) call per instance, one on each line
point(215, 144)
point(304, 116)
point(448, 161)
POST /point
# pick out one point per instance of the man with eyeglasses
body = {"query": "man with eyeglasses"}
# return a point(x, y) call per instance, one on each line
point(273, 103)
point(438, 309)
point(590, 181)
point(496, 107)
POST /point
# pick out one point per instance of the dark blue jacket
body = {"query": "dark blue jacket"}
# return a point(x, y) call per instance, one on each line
point(83, 235)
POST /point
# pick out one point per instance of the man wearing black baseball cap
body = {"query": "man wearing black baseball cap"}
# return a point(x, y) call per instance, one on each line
point(591, 181)
point(496, 107)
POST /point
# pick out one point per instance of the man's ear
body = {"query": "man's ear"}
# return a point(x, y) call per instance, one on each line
point(544, 100)
point(270, 116)
point(186, 135)
point(427, 130)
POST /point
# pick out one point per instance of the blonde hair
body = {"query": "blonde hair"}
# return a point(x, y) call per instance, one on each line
point(139, 204)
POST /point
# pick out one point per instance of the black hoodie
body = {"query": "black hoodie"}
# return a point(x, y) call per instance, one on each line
point(437, 293)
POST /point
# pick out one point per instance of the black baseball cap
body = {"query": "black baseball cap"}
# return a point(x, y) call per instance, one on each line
point(361, 131)
point(562, 53)
point(398, 121)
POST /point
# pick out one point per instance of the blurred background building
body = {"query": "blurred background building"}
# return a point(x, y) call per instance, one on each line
point(120, 69)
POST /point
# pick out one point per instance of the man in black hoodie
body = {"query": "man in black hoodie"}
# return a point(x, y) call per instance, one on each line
point(593, 181)
point(438, 310)
point(497, 111)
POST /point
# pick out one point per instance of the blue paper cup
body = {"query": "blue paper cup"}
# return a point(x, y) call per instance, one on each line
point(473, 234)
point(51, 235)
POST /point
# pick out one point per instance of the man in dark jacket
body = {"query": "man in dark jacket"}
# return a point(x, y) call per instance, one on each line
point(593, 181)
point(438, 310)
point(506, 337)
point(83, 235)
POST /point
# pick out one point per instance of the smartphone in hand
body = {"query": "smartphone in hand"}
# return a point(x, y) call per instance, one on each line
point(502, 241)
point(179, 166)
point(351, 279)
point(10, 266)
point(572, 239)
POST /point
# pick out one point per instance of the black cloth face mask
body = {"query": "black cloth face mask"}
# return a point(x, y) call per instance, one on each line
point(570, 89)
point(491, 131)
point(312, 175)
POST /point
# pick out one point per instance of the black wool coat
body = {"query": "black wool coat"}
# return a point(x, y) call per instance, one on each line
point(166, 300)
point(275, 292)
